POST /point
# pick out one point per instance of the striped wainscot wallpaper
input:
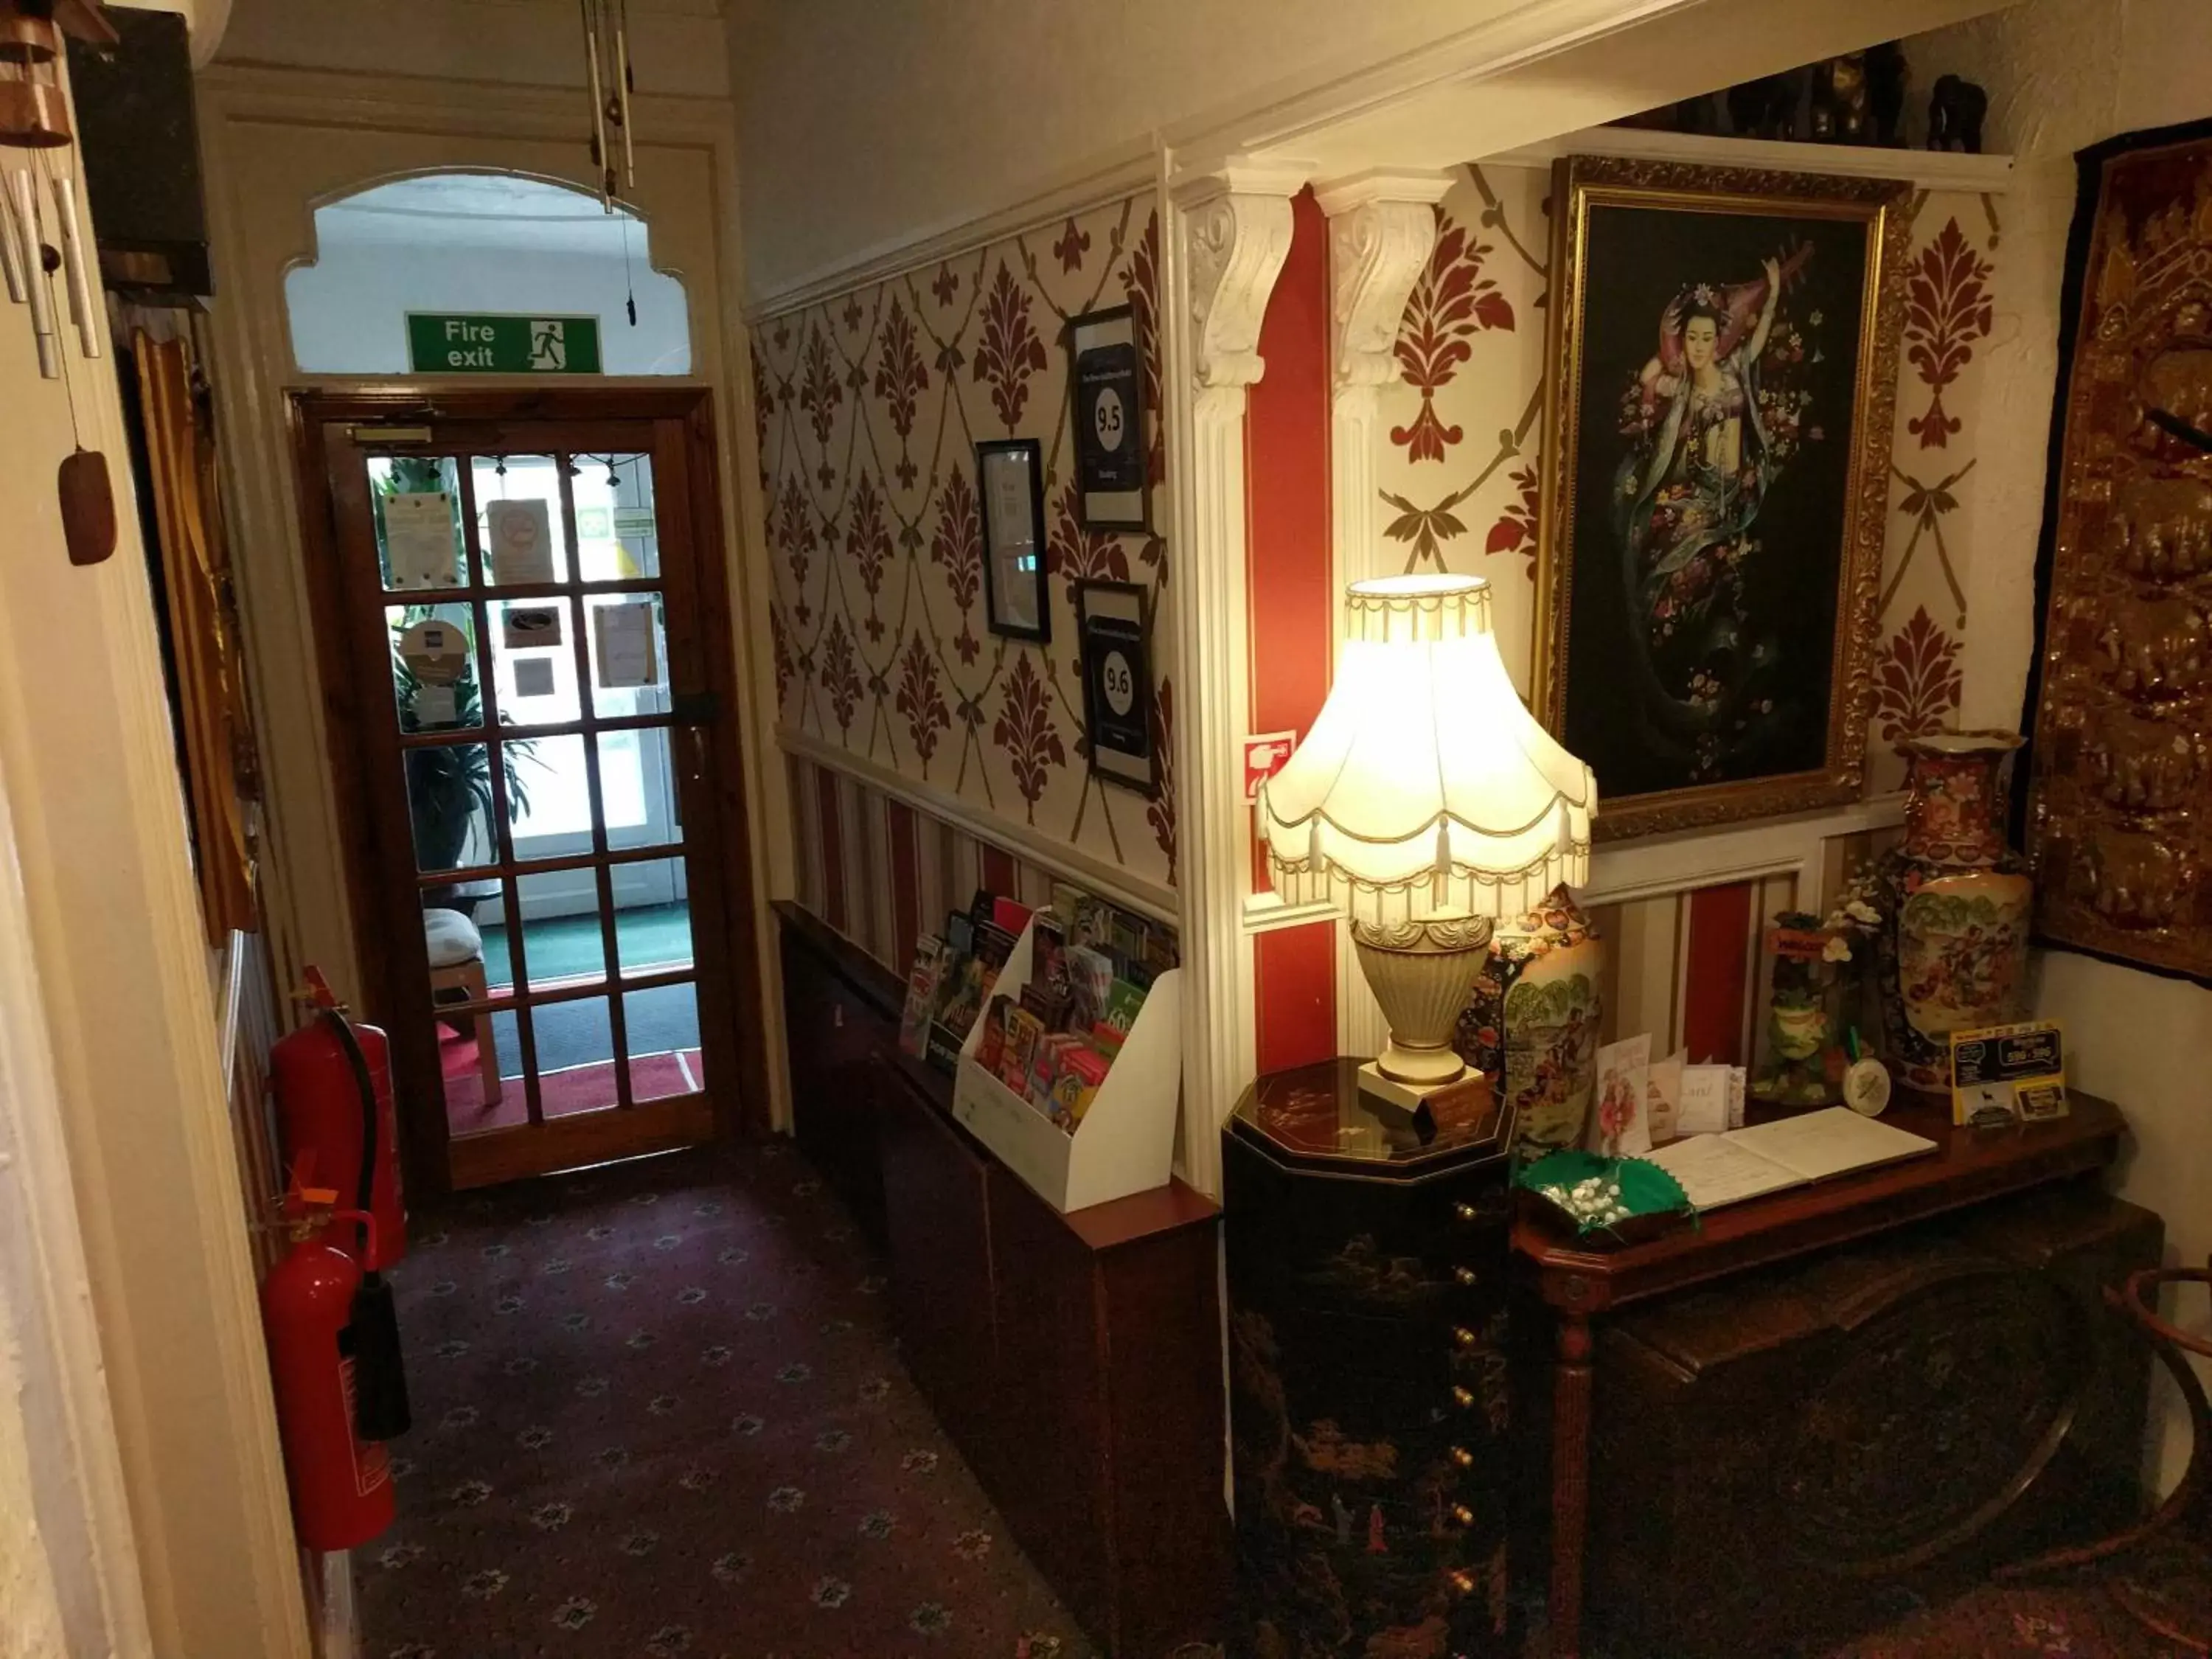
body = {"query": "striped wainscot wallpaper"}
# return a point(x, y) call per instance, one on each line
point(882, 873)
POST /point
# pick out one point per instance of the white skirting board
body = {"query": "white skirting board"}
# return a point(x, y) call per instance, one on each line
point(1126, 1142)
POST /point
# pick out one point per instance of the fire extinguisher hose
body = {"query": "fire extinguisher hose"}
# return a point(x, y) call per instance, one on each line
point(380, 1408)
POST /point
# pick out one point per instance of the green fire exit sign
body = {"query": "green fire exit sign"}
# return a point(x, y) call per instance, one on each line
point(489, 343)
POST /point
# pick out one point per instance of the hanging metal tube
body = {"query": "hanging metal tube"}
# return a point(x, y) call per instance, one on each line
point(11, 250)
point(591, 11)
point(621, 94)
point(25, 191)
point(80, 286)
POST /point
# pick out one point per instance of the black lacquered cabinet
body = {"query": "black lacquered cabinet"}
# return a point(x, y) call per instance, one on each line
point(1370, 1415)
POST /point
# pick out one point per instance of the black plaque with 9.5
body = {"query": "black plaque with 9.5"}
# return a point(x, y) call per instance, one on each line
point(1112, 627)
point(1107, 386)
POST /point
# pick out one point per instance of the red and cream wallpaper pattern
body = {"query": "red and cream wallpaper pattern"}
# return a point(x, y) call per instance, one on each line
point(1460, 432)
point(869, 406)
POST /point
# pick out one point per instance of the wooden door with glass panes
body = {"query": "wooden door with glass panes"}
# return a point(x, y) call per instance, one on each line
point(536, 637)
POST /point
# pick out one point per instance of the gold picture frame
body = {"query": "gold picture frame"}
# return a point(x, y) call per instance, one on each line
point(1705, 715)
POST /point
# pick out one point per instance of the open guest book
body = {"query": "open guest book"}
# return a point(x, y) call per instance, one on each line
point(1794, 1151)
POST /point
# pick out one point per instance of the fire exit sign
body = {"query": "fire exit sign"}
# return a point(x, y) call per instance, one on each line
point(491, 344)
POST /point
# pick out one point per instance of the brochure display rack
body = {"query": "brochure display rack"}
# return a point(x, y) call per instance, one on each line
point(1125, 1142)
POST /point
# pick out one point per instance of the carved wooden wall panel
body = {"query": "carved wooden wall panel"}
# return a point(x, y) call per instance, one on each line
point(2120, 795)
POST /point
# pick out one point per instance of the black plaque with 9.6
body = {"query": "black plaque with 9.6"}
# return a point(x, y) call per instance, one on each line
point(1112, 630)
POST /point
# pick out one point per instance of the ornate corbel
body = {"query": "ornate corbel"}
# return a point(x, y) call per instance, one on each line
point(1237, 228)
point(1382, 228)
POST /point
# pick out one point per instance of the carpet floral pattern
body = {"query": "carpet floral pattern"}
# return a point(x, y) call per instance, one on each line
point(2073, 1620)
point(658, 1414)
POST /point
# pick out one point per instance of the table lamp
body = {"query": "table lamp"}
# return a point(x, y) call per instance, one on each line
point(1425, 802)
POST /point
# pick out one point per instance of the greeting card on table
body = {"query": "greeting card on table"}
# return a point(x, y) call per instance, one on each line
point(1620, 1126)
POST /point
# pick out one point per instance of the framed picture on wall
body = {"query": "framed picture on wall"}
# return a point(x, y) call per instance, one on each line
point(1106, 383)
point(1715, 456)
point(1113, 635)
point(1010, 478)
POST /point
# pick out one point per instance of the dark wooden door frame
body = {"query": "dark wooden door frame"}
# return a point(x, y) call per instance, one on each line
point(726, 866)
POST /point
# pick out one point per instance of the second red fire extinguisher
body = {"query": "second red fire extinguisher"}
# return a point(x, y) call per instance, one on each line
point(340, 1478)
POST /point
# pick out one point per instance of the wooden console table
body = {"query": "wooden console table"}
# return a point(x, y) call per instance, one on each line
point(1581, 1285)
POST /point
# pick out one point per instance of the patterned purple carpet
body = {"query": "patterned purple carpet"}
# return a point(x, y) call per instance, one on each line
point(658, 1413)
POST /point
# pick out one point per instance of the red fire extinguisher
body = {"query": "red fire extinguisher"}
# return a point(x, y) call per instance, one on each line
point(340, 1477)
point(324, 1074)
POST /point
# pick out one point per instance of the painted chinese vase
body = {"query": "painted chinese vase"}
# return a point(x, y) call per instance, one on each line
point(1956, 902)
point(1532, 1022)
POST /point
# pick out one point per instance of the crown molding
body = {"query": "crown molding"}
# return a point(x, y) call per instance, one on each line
point(1110, 177)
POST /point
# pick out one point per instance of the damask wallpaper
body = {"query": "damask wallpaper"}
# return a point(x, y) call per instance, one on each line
point(869, 406)
point(1460, 432)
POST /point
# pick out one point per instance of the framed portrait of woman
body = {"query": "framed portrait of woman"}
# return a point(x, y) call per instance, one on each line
point(1715, 461)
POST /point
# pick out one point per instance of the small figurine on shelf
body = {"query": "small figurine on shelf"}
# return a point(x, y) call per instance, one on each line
point(1955, 110)
point(1805, 1060)
point(1838, 111)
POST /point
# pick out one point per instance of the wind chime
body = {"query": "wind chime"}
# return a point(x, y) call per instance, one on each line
point(34, 118)
point(608, 73)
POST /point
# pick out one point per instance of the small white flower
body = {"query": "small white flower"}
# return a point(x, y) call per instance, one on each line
point(1837, 949)
point(1861, 912)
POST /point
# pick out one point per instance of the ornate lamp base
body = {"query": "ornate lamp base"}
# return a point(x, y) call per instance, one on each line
point(1421, 973)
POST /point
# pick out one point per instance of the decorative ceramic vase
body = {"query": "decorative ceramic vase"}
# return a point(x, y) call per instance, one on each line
point(1532, 1020)
point(1956, 903)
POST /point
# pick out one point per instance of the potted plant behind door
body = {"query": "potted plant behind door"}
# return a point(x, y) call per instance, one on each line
point(449, 785)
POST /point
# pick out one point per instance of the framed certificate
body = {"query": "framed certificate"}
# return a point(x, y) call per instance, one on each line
point(1113, 643)
point(1107, 385)
point(1010, 478)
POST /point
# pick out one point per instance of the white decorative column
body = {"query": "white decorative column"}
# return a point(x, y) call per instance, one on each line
point(1231, 233)
point(1382, 228)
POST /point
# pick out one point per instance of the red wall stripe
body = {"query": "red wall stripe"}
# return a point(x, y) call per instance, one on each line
point(1294, 982)
point(999, 871)
point(906, 880)
point(832, 832)
point(1291, 596)
point(1716, 973)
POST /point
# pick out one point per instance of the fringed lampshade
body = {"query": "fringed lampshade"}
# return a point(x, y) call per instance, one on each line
point(1425, 802)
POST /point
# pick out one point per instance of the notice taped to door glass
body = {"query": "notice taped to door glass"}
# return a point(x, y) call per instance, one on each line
point(623, 642)
point(418, 539)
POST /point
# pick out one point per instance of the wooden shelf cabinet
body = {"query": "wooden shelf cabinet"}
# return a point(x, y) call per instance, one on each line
point(1075, 1360)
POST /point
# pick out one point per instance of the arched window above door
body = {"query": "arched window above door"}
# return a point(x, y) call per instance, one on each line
point(479, 244)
